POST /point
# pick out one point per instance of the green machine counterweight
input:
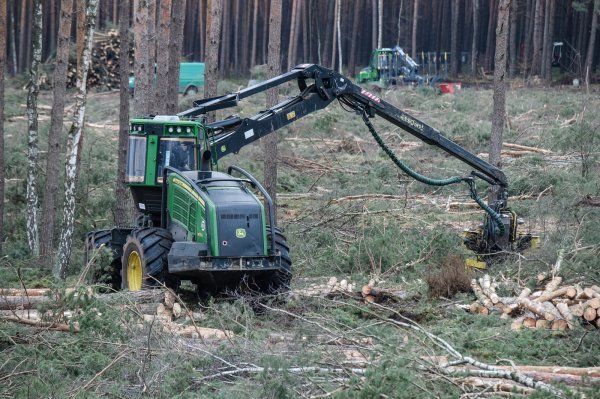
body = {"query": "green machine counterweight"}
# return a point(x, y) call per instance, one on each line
point(217, 228)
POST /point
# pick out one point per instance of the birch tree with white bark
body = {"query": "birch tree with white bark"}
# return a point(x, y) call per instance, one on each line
point(74, 137)
point(33, 238)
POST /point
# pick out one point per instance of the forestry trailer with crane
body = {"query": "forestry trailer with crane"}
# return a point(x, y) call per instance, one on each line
point(390, 66)
point(209, 227)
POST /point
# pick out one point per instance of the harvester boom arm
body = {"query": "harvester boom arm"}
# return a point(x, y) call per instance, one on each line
point(319, 86)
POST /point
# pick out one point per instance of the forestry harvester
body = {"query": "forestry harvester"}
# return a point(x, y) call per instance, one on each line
point(390, 66)
point(209, 227)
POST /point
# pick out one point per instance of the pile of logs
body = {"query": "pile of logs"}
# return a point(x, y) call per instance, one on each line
point(369, 293)
point(104, 69)
point(333, 287)
point(556, 306)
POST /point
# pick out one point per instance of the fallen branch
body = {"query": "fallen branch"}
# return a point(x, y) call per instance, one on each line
point(293, 370)
point(42, 324)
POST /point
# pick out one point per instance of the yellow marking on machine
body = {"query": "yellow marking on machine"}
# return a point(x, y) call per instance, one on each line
point(291, 115)
point(187, 188)
point(472, 263)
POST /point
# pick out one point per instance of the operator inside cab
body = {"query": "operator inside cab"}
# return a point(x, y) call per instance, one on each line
point(177, 152)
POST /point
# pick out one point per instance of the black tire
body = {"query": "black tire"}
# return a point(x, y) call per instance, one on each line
point(152, 246)
point(109, 275)
point(278, 281)
point(191, 91)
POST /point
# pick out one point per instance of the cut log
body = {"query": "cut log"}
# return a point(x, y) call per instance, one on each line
point(551, 313)
point(529, 322)
point(29, 291)
point(535, 307)
point(517, 323)
point(566, 314)
point(22, 302)
point(511, 307)
point(366, 290)
point(170, 299)
point(204, 333)
point(480, 295)
point(571, 292)
point(560, 325)
point(553, 284)
point(526, 148)
point(594, 303)
point(542, 323)
point(577, 310)
point(559, 292)
point(590, 314)
point(43, 324)
point(591, 372)
point(177, 311)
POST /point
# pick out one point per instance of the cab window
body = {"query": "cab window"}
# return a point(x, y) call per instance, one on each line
point(177, 152)
point(136, 159)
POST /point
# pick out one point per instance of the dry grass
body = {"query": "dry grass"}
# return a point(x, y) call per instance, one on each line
point(451, 278)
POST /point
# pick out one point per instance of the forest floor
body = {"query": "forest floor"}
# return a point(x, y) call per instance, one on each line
point(347, 213)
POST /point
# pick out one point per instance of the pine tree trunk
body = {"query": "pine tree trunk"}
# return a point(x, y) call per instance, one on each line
point(499, 89)
point(334, 37)
point(175, 46)
point(75, 135)
point(13, 42)
point(3, 24)
point(374, 23)
point(339, 34)
point(141, 97)
point(224, 49)
point(545, 39)
point(80, 29)
point(589, 59)
point(151, 44)
point(49, 209)
point(490, 39)
point(512, 59)
point(548, 41)
point(211, 58)
point(162, 62)
point(399, 37)
point(23, 24)
point(354, 41)
point(379, 24)
point(536, 62)
point(528, 32)
point(274, 69)
point(475, 43)
point(454, 56)
point(121, 191)
point(414, 30)
point(291, 56)
point(32, 124)
point(305, 32)
point(253, 60)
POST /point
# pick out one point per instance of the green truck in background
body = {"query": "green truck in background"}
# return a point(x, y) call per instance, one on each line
point(191, 78)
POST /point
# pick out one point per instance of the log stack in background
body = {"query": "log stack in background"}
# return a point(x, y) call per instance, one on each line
point(104, 69)
point(557, 306)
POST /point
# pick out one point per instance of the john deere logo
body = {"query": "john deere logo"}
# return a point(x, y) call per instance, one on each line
point(240, 233)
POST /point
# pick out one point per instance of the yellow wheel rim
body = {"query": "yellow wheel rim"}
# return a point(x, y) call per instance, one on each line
point(134, 271)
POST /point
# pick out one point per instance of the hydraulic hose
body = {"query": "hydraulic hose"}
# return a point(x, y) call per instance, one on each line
point(495, 216)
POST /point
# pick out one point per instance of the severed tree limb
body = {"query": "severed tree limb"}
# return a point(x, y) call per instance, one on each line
point(293, 370)
point(441, 343)
point(42, 324)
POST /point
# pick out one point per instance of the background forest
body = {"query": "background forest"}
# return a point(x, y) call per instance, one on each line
point(462, 27)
